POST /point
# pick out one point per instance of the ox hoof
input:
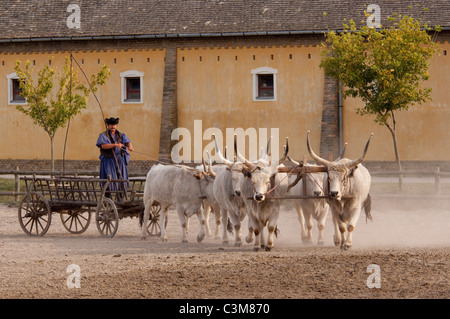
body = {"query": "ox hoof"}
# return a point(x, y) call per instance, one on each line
point(248, 239)
point(255, 248)
point(321, 243)
point(225, 243)
point(269, 248)
point(143, 238)
point(337, 242)
point(347, 247)
point(238, 244)
point(184, 241)
point(200, 238)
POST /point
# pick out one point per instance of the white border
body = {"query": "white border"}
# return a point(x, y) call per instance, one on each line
point(123, 77)
point(10, 77)
point(264, 70)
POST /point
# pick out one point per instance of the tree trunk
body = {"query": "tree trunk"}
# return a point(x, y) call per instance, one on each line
point(52, 158)
point(397, 157)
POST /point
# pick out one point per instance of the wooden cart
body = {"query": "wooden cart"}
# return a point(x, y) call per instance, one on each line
point(76, 198)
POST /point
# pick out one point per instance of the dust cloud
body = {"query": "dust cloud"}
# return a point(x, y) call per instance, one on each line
point(395, 224)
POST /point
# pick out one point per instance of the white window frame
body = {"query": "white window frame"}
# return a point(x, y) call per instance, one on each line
point(123, 80)
point(261, 71)
point(10, 78)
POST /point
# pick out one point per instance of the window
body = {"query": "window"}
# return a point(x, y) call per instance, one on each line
point(264, 84)
point(133, 89)
point(132, 86)
point(14, 90)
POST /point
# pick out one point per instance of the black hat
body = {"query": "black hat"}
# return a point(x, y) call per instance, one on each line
point(112, 120)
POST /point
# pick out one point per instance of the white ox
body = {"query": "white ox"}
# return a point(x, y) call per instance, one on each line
point(309, 208)
point(261, 188)
point(227, 195)
point(347, 182)
point(180, 186)
point(210, 203)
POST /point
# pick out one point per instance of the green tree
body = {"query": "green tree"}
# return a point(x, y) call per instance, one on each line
point(384, 67)
point(53, 108)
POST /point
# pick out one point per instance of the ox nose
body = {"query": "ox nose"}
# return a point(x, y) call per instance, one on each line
point(237, 193)
point(259, 197)
point(317, 193)
point(333, 194)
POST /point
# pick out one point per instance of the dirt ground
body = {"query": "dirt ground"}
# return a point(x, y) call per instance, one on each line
point(409, 242)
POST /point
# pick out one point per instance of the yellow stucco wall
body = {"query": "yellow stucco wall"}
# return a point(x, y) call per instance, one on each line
point(423, 132)
point(22, 139)
point(215, 85)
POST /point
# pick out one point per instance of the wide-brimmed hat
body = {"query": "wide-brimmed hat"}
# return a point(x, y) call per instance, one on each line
point(112, 120)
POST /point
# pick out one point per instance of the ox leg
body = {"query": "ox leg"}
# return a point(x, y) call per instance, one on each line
point(216, 210)
point(251, 225)
point(272, 225)
point(183, 221)
point(235, 220)
point(148, 204)
point(224, 214)
point(337, 233)
point(354, 216)
point(321, 226)
point(162, 224)
point(201, 219)
point(309, 226)
point(301, 219)
point(257, 232)
point(206, 212)
point(262, 236)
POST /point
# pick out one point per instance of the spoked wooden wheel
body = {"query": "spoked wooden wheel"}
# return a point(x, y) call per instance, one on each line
point(107, 218)
point(77, 221)
point(35, 215)
point(153, 228)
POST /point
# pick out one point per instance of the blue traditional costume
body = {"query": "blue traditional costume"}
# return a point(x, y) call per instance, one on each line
point(110, 165)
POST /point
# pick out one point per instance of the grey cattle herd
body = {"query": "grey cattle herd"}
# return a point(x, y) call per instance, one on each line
point(233, 190)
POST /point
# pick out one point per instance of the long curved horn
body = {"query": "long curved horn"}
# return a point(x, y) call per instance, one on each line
point(240, 157)
point(219, 154)
point(285, 155)
point(361, 158)
point(313, 155)
point(204, 164)
point(210, 171)
point(293, 161)
point(341, 156)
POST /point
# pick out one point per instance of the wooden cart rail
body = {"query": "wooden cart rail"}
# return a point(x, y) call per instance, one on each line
point(75, 198)
point(85, 191)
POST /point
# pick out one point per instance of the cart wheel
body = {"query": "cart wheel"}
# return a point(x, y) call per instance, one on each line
point(77, 221)
point(107, 218)
point(153, 228)
point(35, 215)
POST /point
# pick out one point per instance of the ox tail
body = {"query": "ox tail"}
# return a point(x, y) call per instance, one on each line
point(276, 231)
point(141, 217)
point(368, 207)
point(229, 226)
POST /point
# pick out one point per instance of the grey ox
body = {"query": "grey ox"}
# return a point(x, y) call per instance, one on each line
point(180, 186)
point(228, 196)
point(263, 188)
point(347, 183)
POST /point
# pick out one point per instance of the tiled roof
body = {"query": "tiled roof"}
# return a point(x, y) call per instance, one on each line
point(25, 19)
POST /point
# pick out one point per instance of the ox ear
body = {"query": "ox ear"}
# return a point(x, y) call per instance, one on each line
point(198, 175)
point(352, 171)
point(247, 173)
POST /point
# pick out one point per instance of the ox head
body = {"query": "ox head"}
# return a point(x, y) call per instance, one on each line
point(262, 173)
point(235, 168)
point(339, 170)
point(312, 181)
